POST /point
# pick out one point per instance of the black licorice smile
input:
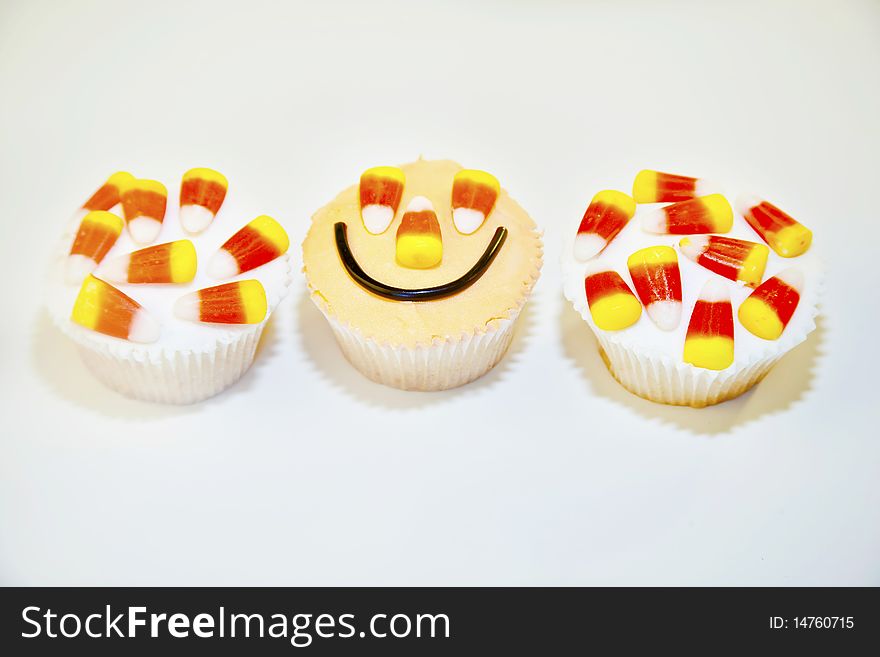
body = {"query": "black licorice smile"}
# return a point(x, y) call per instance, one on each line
point(420, 294)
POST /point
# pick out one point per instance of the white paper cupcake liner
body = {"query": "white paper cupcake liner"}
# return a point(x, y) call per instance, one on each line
point(660, 380)
point(177, 377)
point(441, 365)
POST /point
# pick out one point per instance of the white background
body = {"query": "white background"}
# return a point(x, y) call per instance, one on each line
point(543, 472)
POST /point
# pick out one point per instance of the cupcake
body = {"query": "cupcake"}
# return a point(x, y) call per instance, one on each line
point(421, 271)
point(691, 302)
point(166, 302)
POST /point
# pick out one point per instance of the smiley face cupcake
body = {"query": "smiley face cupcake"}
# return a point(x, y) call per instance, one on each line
point(421, 271)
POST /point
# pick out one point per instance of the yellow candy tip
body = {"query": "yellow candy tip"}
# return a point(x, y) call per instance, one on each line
point(645, 187)
point(711, 353)
point(759, 319)
point(616, 311)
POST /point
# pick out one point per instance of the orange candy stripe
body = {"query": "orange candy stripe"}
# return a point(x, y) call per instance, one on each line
point(143, 203)
point(380, 190)
point(222, 304)
point(107, 194)
point(474, 196)
point(113, 311)
point(151, 265)
point(604, 283)
point(657, 282)
point(251, 249)
point(779, 296)
point(423, 222)
point(94, 239)
point(198, 191)
point(605, 220)
point(711, 319)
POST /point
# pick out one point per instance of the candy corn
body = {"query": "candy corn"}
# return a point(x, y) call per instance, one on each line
point(241, 302)
point(735, 259)
point(259, 242)
point(102, 308)
point(657, 187)
point(97, 234)
point(709, 339)
point(380, 192)
point(612, 304)
point(109, 193)
point(784, 235)
point(707, 214)
point(143, 202)
point(768, 309)
point(657, 280)
point(174, 262)
point(473, 196)
point(607, 214)
point(419, 242)
point(201, 194)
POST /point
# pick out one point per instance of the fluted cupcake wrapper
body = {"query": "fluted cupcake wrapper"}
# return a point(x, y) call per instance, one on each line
point(441, 365)
point(660, 380)
point(177, 377)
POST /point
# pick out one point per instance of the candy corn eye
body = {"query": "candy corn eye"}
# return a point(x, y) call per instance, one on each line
point(419, 242)
point(474, 194)
point(380, 191)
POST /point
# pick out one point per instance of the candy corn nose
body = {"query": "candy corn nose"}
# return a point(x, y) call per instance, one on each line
point(419, 242)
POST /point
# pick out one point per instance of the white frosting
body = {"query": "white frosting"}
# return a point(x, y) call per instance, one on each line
point(159, 300)
point(644, 337)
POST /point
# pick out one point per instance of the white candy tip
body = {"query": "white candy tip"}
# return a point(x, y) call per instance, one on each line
point(222, 265)
point(706, 187)
point(188, 307)
point(693, 245)
point(665, 314)
point(588, 245)
point(745, 202)
point(144, 230)
point(377, 218)
point(144, 328)
point(654, 221)
point(115, 270)
point(467, 220)
point(420, 204)
point(792, 277)
point(195, 218)
point(715, 290)
point(77, 268)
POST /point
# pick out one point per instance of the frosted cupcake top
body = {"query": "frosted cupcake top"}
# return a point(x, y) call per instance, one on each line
point(720, 287)
point(141, 271)
point(423, 252)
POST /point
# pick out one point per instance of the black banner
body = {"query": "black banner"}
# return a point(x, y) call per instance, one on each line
point(421, 621)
